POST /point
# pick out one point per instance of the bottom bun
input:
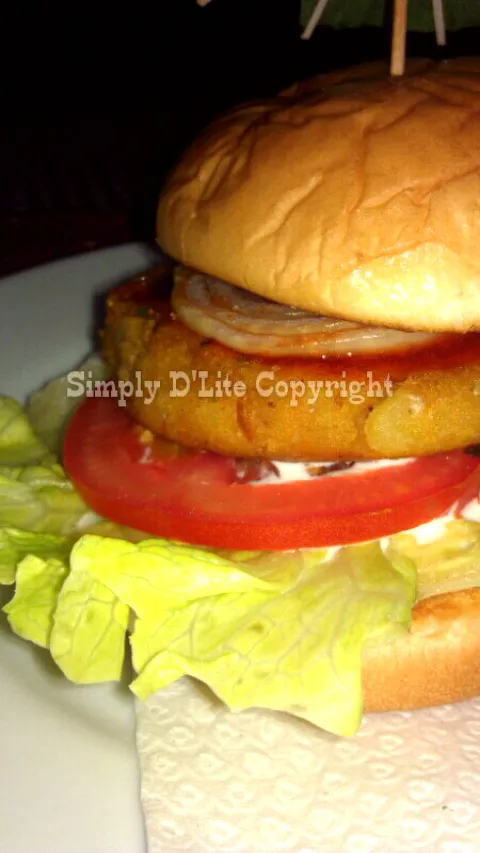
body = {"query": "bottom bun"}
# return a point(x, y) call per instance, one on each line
point(436, 664)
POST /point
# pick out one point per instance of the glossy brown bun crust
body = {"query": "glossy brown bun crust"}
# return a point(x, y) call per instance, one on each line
point(352, 194)
point(437, 663)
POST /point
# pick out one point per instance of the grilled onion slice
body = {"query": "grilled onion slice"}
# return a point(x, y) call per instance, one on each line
point(257, 326)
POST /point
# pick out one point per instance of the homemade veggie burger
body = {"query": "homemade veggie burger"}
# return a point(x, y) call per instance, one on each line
point(298, 391)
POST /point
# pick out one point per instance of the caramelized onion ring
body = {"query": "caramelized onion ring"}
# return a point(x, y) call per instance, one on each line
point(250, 324)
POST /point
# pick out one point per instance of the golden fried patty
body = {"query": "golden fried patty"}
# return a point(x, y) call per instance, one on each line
point(209, 396)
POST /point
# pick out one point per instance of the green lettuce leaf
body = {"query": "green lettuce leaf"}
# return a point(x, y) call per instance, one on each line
point(283, 631)
point(41, 499)
point(296, 649)
point(446, 564)
point(40, 511)
point(78, 619)
point(157, 573)
point(18, 443)
point(89, 628)
point(35, 494)
point(16, 544)
point(31, 610)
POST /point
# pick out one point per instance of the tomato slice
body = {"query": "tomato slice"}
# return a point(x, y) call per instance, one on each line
point(194, 498)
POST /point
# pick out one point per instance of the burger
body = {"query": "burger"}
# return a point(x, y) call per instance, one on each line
point(294, 416)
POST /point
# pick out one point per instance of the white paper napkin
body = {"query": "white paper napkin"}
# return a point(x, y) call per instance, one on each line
point(257, 782)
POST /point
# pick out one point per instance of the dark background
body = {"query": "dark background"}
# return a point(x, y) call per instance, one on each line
point(99, 99)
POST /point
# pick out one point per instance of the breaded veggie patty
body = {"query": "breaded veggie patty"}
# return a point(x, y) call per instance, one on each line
point(210, 396)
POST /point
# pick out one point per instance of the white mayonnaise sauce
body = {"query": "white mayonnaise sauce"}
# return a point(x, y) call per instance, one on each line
point(471, 512)
point(431, 530)
point(291, 472)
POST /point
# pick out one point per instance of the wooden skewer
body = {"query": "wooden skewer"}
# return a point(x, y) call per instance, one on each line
point(314, 18)
point(399, 35)
point(439, 19)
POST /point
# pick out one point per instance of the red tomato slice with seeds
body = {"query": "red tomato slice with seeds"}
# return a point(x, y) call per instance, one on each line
point(195, 498)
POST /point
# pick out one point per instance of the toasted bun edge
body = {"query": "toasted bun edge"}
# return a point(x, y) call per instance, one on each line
point(437, 663)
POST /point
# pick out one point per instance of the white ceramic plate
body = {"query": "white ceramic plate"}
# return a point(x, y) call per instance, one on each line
point(68, 769)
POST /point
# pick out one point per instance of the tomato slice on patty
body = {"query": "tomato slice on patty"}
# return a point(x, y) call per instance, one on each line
point(194, 497)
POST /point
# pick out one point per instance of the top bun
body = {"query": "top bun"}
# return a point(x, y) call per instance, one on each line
point(353, 194)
